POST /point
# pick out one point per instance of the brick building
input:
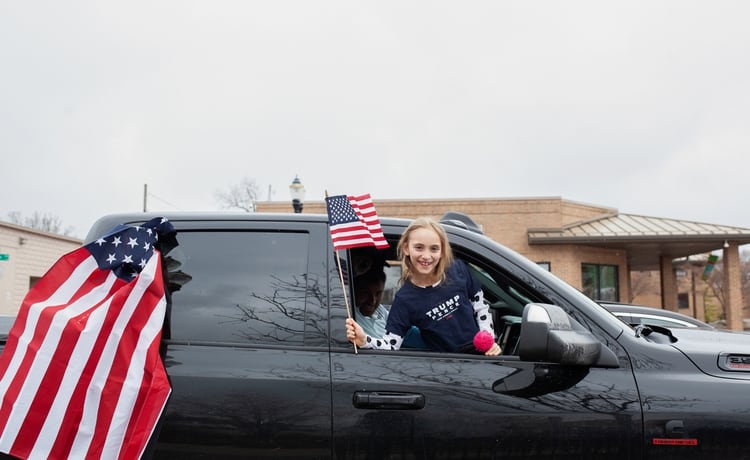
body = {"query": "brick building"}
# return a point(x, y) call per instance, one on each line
point(25, 255)
point(593, 248)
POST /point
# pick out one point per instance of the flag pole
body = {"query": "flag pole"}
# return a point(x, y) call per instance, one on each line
point(343, 289)
point(346, 298)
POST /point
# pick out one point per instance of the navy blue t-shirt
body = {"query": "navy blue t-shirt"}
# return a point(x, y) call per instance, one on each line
point(444, 313)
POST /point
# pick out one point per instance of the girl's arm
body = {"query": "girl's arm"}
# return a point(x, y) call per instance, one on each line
point(482, 313)
point(356, 335)
point(484, 321)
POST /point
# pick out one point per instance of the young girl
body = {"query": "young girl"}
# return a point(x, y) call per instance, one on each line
point(438, 295)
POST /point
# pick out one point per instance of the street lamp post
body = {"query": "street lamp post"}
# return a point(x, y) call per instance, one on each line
point(297, 190)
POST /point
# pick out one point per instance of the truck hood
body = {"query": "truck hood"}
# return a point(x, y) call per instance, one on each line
point(717, 352)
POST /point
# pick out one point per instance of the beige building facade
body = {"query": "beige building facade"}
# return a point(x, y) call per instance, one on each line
point(25, 255)
point(571, 239)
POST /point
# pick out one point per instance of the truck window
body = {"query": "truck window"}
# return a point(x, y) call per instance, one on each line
point(505, 295)
point(239, 287)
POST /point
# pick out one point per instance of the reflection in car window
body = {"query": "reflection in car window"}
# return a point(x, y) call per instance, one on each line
point(652, 320)
point(246, 287)
point(504, 296)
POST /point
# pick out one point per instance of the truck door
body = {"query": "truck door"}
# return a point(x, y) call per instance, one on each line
point(416, 404)
point(246, 350)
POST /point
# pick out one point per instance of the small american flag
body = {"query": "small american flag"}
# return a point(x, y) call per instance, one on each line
point(81, 375)
point(354, 222)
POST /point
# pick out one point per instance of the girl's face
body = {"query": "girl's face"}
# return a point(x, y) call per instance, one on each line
point(423, 250)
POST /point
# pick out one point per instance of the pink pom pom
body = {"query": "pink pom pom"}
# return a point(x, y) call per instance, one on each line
point(483, 341)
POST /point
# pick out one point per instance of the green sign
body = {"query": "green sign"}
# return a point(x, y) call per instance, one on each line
point(4, 256)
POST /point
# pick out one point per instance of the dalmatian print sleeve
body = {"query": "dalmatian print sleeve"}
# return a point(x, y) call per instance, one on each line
point(390, 341)
point(482, 313)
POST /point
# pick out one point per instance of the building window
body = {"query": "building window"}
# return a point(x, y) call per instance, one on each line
point(599, 282)
point(545, 265)
point(33, 280)
point(683, 300)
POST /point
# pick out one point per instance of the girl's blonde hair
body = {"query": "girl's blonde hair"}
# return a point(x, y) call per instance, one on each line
point(446, 258)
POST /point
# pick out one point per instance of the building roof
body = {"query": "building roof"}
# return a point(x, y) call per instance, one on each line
point(15, 228)
point(645, 238)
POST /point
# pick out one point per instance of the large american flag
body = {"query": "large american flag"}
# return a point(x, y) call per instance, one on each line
point(81, 376)
point(354, 222)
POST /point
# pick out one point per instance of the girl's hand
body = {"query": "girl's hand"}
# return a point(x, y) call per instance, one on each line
point(354, 333)
point(494, 351)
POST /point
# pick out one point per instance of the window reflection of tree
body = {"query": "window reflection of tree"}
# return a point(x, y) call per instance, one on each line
point(276, 317)
point(294, 311)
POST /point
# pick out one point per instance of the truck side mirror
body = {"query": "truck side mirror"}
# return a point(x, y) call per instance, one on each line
point(549, 334)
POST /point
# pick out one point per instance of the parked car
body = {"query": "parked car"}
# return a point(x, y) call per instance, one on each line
point(638, 314)
point(256, 351)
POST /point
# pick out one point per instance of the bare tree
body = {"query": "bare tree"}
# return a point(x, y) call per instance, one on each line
point(44, 222)
point(240, 196)
point(745, 282)
point(715, 283)
point(644, 284)
point(714, 295)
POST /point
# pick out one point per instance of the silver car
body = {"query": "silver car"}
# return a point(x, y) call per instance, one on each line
point(638, 314)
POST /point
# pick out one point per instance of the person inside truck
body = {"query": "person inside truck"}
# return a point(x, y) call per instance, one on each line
point(368, 295)
point(438, 295)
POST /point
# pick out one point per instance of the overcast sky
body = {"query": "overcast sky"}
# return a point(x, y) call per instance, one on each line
point(642, 106)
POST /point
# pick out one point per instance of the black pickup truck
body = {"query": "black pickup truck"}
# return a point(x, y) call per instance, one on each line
point(255, 347)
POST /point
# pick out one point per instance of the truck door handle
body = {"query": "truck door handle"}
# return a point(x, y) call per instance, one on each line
point(675, 429)
point(387, 400)
point(677, 435)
